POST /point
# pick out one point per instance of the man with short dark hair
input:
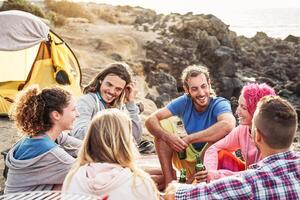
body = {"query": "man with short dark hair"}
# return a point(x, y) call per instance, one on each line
point(276, 176)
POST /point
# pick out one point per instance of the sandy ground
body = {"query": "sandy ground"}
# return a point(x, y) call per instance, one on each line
point(98, 44)
point(8, 137)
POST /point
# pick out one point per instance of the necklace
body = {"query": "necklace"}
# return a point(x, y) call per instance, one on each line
point(101, 99)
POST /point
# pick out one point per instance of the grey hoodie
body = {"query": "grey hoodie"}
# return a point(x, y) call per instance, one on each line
point(88, 105)
point(43, 171)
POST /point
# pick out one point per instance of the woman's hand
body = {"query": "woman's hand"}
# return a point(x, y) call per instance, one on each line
point(201, 176)
point(198, 177)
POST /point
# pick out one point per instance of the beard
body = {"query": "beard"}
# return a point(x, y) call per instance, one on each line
point(201, 103)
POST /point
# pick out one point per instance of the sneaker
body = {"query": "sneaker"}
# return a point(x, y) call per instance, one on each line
point(146, 147)
point(5, 171)
point(141, 107)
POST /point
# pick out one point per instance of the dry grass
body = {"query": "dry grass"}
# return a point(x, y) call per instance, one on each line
point(68, 9)
point(22, 5)
point(60, 20)
point(114, 14)
point(106, 14)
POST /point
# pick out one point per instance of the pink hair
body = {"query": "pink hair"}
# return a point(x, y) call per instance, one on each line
point(253, 92)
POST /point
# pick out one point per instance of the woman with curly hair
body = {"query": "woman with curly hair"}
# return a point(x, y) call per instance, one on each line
point(219, 159)
point(106, 163)
point(37, 161)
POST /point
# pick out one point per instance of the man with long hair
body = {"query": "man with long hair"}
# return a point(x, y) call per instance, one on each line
point(113, 87)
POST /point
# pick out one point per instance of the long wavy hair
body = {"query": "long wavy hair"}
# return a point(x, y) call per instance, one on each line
point(32, 108)
point(109, 140)
point(119, 69)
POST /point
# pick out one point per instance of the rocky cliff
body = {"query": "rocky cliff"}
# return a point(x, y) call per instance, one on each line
point(232, 60)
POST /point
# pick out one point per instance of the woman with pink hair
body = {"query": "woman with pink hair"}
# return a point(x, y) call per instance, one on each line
point(219, 159)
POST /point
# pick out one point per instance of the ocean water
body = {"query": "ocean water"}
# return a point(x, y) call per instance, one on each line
point(277, 19)
point(276, 22)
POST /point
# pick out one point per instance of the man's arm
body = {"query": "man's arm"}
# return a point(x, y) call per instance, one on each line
point(229, 143)
point(86, 106)
point(130, 93)
point(225, 123)
point(133, 111)
point(69, 143)
point(153, 126)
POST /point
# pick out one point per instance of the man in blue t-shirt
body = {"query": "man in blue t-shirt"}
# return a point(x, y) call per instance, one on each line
point(206, 118)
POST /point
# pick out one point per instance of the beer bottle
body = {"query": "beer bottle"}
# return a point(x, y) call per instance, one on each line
point(199, 165)
point(182, 154)
point(182, 177)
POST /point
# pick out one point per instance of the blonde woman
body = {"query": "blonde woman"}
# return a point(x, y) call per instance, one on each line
point(37, 162)
point(105, 166)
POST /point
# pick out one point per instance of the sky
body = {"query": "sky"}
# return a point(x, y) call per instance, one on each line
point(202, 6)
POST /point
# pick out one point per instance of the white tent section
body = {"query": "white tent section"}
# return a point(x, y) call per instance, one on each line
point(21, 30)
point(21, 34)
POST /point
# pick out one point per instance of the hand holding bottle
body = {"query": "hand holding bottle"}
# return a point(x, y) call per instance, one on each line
point(176, 143)
point(201, 172)
point(201, 176)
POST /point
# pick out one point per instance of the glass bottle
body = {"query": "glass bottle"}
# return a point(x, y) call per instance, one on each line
point(182, 154)
point(182, 177)
point(199, 165)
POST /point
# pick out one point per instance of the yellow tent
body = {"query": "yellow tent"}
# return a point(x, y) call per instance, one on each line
point(30, 53)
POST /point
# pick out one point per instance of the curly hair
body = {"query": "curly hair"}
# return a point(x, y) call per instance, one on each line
point(253, 92)
point(32, 108)
point(119, 69)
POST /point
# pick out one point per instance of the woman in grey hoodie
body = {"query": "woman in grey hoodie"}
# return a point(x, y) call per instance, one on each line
point(113, 87)
point(37, 162)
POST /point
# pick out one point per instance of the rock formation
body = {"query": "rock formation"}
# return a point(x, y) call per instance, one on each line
point(232, 60)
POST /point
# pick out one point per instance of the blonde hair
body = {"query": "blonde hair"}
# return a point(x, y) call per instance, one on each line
point(109, 140)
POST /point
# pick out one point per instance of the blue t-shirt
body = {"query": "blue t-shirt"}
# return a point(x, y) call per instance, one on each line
point(195, 121)
point(32, 147)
